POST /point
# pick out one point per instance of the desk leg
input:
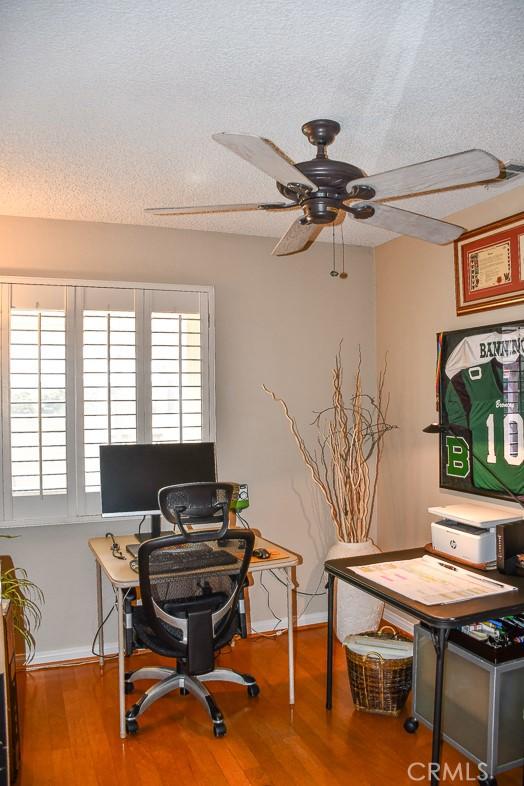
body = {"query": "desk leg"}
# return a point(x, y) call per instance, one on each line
point(121, 663)
point(290, 634)
point(100, 610)
point(440, 640)
point(329, 670)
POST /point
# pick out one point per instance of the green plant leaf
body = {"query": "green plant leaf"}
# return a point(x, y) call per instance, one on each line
point(26, 598)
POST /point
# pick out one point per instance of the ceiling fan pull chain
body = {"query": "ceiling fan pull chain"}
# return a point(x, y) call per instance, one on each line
point(333, 272)
point(343, 274)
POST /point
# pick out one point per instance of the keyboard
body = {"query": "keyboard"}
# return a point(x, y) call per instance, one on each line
point(132, 548)
point(182, 560)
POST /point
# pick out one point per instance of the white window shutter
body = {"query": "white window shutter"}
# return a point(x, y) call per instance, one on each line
point(90, 363)
point(109, 400)
point(37, 400)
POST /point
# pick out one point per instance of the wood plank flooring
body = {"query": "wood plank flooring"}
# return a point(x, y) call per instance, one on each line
point(70, 730)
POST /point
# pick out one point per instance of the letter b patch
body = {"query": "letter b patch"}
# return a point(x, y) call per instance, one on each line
point(457, 464)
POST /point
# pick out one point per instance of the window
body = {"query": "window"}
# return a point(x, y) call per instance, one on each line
point(87, 364)
point(176, 372)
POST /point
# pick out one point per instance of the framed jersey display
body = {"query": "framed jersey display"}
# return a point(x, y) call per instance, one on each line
point(481, 409)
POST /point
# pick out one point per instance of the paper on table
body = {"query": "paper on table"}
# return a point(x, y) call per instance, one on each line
point(430, 581)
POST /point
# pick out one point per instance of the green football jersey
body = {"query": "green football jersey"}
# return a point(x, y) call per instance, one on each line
point(487, 397)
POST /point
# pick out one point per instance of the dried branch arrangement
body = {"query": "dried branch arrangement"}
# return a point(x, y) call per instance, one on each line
point(348, 436)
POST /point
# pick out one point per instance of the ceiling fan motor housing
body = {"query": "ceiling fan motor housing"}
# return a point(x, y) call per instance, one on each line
point(332, 178)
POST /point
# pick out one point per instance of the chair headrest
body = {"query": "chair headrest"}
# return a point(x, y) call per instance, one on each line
point(198, 503)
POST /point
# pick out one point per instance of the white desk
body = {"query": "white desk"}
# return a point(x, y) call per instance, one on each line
point(122, 578)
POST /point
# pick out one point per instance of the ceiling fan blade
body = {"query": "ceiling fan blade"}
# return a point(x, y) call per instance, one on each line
point(459, 169)
point(186, 211)
point(266, 156)
point(299, 237)
point(405, 223)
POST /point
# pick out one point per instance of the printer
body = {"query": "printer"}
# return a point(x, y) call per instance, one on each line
point(466, 532)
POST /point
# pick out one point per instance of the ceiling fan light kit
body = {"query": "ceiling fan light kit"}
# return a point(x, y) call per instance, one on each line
point(326, 191)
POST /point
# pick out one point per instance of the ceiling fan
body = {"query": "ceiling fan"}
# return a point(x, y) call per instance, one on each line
point(326, 191)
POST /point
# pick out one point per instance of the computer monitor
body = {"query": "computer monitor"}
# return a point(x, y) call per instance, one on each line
point(131, 476)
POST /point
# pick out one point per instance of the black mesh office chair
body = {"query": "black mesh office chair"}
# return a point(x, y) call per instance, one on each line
point(192, 598)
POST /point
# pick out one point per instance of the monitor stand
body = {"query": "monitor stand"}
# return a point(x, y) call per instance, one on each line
point(155, 531)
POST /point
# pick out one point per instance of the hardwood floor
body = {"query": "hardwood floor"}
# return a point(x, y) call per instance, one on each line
point(70, 730)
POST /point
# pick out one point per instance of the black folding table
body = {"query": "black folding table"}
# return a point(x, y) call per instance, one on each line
point(440, 619)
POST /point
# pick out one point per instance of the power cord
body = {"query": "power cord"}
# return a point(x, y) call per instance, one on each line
point(242, 520)
point(300, 592)
point(97, 634)
point(274, 632)
point(278, 621)
point(45, 666)
point(296, 591)
point(116, 551)
point(312, 595)
point(98, 630)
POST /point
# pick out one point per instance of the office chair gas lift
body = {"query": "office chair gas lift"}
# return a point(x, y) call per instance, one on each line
point(192, 589)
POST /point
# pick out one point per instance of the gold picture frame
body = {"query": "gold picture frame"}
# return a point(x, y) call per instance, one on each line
point(489, 266)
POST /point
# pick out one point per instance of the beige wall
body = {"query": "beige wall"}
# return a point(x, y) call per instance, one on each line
point(415, 300)
point(278, 321)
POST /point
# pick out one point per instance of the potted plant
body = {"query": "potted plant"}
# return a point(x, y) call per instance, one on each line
point(26, 599)
point(345, 466)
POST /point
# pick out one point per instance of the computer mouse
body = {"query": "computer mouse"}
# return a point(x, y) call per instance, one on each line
point(261, 553)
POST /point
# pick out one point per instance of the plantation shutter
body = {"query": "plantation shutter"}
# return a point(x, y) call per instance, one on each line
point(109, 380)
point(86, 364)
point(179, 375)
point(34, 398)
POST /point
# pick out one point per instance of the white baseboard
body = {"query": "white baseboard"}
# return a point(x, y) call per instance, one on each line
point(81, 653)
point(73, 653)
point(403, 621)
point(313, 618)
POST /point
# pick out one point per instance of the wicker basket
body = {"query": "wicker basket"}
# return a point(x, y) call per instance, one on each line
point(378, 684)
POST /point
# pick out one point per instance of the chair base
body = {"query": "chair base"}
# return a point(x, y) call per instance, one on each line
point(168, 680)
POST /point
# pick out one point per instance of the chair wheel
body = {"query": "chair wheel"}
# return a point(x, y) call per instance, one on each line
point(219, 729)
point(490, 781)
point(253, 690)
point(184, 692)
point(131, 725)
point(411, 725)
point(129, 687)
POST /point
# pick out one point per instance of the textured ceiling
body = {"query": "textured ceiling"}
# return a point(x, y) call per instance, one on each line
point(107, 108)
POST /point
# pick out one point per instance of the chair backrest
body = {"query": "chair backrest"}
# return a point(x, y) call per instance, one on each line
point(196, 503)
point(192, 612)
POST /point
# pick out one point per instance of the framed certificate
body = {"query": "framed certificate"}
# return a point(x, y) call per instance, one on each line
point(489, 266)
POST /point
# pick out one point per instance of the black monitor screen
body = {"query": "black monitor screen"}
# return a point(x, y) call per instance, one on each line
point(131, 475)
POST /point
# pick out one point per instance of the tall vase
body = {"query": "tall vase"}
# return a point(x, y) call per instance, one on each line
point(356, 611)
